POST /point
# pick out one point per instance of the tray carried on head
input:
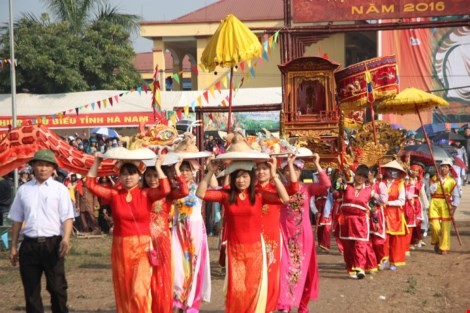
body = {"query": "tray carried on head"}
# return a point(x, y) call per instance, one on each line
point(301, 153)
point(194, 155)
point(238, 156)
point(170, 159)
point(121, 153)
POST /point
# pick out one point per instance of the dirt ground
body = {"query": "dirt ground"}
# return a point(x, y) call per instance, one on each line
point(429, 283)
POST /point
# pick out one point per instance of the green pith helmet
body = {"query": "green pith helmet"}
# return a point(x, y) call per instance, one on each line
point(45, 155)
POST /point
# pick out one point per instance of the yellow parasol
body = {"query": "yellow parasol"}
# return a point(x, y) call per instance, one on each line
point(412, 100)
point(231, 44)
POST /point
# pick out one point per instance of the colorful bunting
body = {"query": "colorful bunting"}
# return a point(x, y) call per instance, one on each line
point(176, 78)
point(224, 81)
point(179, 114)
point(211, 90)
point(276, 35)
point(267, 42)
point(265, 56)
point(5, 240)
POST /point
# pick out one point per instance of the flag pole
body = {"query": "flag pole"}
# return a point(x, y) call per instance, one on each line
point(12, 79)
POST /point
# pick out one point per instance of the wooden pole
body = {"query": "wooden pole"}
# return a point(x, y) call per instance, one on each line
point(229, 122)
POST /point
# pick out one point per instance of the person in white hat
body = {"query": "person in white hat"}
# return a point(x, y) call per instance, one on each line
point(130, 204)
point(440, 214)
point(246, 254)
point(395, 242)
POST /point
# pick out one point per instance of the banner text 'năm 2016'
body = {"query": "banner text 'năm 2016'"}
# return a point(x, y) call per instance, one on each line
point(353, 10)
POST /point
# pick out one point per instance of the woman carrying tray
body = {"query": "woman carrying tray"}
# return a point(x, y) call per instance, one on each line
point(130, 205)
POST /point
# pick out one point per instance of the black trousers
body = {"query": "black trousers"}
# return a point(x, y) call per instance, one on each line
point(38, 256)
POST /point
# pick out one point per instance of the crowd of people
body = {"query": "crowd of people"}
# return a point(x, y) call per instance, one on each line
point(267, 213)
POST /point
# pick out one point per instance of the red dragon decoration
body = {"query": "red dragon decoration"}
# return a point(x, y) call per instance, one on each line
point(21, 143)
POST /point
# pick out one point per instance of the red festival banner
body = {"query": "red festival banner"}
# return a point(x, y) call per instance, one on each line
point(353, 10)
point(126, 119)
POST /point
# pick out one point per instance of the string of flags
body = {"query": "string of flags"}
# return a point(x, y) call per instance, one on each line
point(5, 61)
point(247, 69)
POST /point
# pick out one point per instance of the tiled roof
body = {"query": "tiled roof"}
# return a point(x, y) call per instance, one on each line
point(143, 62)
point(245, 10)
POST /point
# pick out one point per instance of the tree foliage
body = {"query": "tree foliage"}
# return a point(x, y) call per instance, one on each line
point(68, 55)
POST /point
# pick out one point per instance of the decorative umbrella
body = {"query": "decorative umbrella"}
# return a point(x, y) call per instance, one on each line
point(105, 131)
point(421, 153)
point(231, 44)
point(449, 136)
point(431, 129)
point(412, 100)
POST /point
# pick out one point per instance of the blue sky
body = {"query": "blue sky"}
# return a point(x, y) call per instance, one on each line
point(149, 10)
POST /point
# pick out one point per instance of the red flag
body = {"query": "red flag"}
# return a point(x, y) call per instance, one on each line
point(179, 114)
point(217, 85)
point(145, 88)
point(206, 96)
point(99, 104)
point(242, 66)
point(194, 69)
point(110, 100)
point(211, 117)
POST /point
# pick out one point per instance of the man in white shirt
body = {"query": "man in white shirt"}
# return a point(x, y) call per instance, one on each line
point(44, 208)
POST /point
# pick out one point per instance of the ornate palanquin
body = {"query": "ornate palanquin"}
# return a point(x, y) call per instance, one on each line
point(309, 112)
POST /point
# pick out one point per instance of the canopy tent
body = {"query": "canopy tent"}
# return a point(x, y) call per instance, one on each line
point(131, 108)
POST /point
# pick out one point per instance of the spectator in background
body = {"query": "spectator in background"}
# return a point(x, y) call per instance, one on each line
point(101, 145)
point(24, 177)
point(86, 144)
point(81, 147)
point(6, 195)
point(72, 185)
point(467, 149)
point(93, 147)
point(89, 207)
point(209, 144)
point(461, 153)
point(109, 144)
point(105, 217)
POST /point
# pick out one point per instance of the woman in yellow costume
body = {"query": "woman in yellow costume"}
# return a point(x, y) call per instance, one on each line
point(440, 214)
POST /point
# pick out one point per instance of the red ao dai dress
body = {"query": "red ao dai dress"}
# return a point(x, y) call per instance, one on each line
point(131, 268)
point(162, 276)
point(270, 216)
point(246, 280)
